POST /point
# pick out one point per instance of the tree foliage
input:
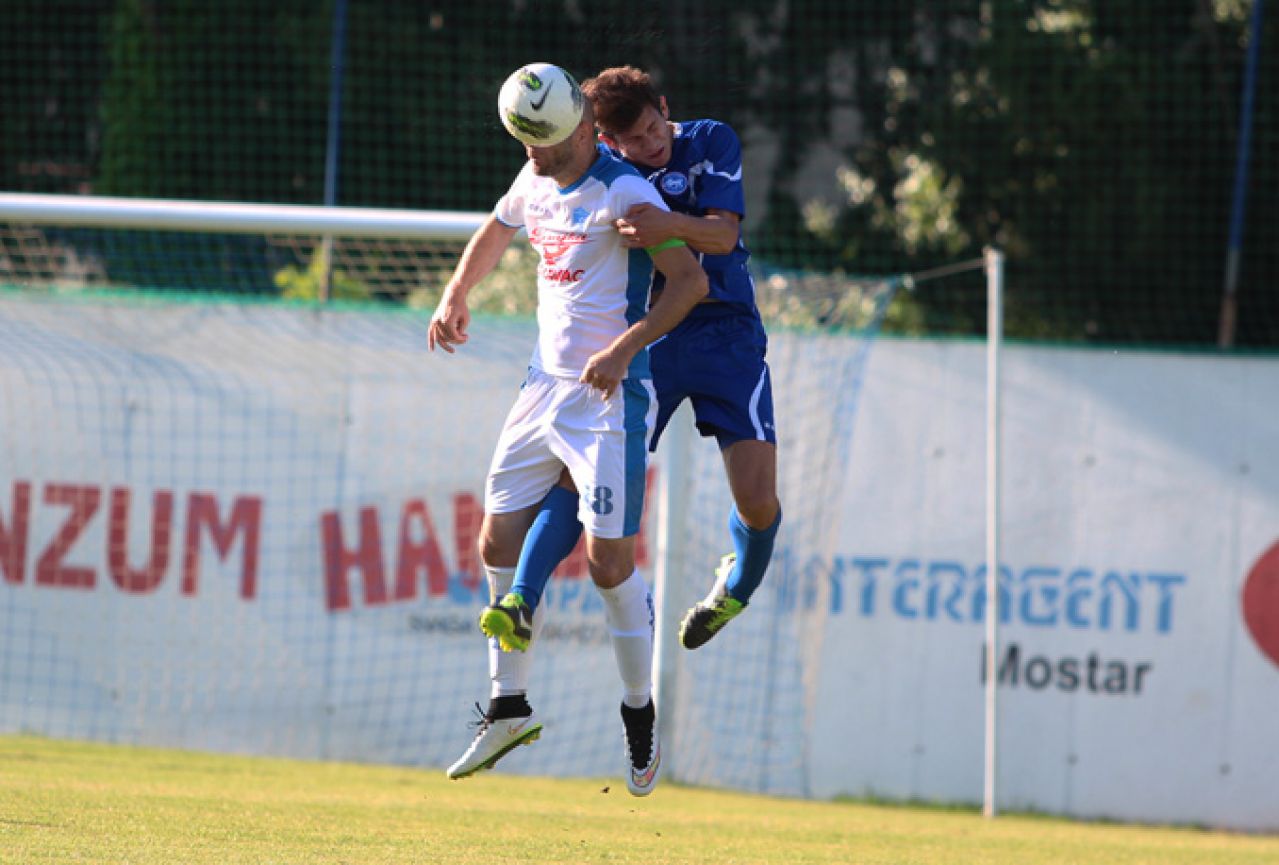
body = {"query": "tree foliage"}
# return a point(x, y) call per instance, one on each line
point(1094, 140)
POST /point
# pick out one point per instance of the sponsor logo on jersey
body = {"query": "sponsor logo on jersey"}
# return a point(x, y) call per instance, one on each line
point(674, 183)
point(560, 274)
point(553, 244)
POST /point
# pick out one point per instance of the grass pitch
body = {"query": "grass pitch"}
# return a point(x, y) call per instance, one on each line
point(72, 802)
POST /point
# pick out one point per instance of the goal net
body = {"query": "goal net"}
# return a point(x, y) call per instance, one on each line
point(744, 704)
point(236, 524)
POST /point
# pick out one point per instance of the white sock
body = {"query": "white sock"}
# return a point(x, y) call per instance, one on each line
point(509, 671)
point(629, 610)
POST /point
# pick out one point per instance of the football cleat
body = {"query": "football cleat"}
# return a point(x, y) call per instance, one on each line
point(643, 750)
point(713, 612)
point(494, 738)
point(510, 621)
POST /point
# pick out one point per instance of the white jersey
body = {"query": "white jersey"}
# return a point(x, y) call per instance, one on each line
point(590, 288)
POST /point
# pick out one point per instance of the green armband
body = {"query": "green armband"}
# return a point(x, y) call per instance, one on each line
point(669, 244)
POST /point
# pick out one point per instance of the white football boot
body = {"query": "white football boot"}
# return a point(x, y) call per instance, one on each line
point(493, 739)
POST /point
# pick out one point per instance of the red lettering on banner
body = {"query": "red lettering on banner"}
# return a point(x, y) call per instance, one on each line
point(1260, 600)
point(419, 555)
point(338, 560)
point(468, 516)
point(13, 540)
point(138, 580)
point(83, 501)
point(419, 548)
point(245, 521)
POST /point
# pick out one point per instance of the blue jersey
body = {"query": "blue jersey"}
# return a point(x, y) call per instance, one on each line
point(704, 173)
point(715, 357)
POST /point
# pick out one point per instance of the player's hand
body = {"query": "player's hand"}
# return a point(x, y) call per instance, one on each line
point(448, 325)
point(605, 371)
point(644, 225)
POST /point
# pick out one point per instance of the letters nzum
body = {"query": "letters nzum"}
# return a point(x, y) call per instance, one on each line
point(70, 513)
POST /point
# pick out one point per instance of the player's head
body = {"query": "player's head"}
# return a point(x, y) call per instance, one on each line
point(573, 155)
point(631, 116)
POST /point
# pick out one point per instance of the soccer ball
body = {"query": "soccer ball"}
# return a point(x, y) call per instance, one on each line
point(540, 104)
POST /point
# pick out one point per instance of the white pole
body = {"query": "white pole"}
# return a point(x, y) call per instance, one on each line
point(994, 336)
point(235, 217)
point(672, 495)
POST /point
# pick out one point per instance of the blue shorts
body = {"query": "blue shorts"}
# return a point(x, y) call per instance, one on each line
point(715, 359)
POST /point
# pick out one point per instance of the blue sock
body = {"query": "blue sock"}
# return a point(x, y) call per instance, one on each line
point(754, 550)
point(550, 539)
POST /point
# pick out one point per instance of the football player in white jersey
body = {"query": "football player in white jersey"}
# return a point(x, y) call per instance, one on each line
point(714, 358)
point(587, 407)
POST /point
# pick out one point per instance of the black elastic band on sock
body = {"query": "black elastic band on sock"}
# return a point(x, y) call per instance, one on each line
point(646, 712)
point(510, 706)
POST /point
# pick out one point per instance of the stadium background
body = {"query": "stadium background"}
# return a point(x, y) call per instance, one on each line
point(1095, 142)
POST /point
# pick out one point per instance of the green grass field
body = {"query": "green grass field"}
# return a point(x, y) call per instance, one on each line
point(93, 803)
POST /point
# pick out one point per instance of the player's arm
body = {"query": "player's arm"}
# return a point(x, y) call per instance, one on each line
point(482, 253)
point(645, 226)
point(720, 195)
point(685, 286)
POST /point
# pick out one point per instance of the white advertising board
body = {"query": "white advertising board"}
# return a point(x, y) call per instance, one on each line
point(251, 528)
point(1139, 657)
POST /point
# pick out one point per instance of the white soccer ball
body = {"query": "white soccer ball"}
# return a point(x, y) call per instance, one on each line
point(540, 104)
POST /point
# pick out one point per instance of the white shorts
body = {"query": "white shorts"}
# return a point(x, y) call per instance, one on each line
point(560, 422)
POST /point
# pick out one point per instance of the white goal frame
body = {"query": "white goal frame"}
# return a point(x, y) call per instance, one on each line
point(330, 221)
point(235, 217)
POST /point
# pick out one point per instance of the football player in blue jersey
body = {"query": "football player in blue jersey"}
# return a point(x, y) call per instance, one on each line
point(714, 358)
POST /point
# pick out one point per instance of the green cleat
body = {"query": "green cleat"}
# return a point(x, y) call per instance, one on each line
point(712, 613)
point(510, 621)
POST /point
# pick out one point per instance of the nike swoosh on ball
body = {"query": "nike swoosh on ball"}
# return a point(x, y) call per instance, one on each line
point(537, 106)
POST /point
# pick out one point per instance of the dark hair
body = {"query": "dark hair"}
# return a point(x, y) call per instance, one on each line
point(619, 96)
